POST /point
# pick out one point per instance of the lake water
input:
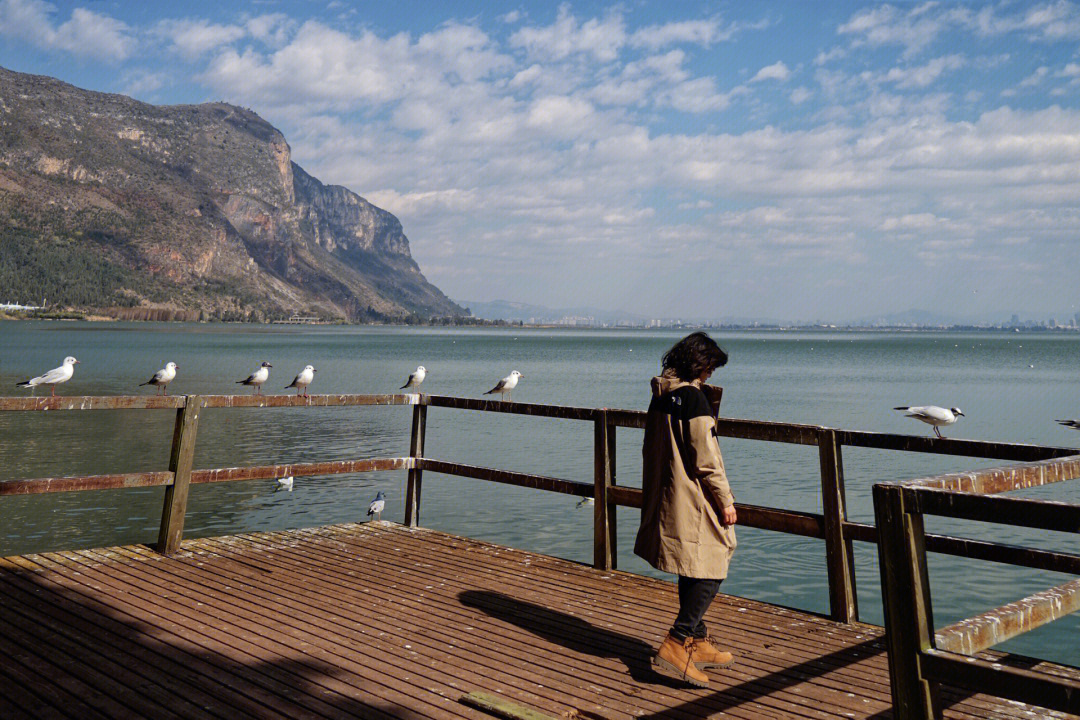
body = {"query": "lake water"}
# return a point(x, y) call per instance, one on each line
point(1010, 385)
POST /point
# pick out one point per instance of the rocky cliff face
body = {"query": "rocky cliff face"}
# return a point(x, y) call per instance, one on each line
point(109, 203)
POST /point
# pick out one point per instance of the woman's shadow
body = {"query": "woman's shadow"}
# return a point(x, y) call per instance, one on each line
point(570, 632)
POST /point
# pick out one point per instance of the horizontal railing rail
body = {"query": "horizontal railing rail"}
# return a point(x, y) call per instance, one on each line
point(920, 657)
point(831, 525)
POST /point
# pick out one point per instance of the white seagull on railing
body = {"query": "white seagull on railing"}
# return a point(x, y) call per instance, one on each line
point(54, 377)
point(377, 505)
point(932, 415)
point(415, 379)
point(284, 483)
point(163, 377)
point(302, 380)
point(257, 378)
point(504, 386)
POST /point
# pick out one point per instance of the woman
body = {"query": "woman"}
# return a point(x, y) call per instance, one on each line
point(688, 511)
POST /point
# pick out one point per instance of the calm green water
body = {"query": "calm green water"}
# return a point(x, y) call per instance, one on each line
point(849, 380)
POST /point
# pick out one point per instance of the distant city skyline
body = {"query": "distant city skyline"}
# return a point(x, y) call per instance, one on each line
point(779, 159)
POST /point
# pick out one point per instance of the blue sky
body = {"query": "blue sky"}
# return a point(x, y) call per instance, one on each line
point(793, 160)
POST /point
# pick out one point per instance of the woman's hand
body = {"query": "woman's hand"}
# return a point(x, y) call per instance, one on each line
point(730, 517)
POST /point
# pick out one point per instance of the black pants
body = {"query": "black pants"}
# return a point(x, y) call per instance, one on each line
point(695, 596)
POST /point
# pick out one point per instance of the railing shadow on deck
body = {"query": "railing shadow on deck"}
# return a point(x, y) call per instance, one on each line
point(831, 525)
point(49, 630)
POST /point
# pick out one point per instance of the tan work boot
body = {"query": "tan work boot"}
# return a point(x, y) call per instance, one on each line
point(674, 659)
point(705, 655)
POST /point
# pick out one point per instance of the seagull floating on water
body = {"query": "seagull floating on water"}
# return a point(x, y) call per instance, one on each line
point(54, 377)
point(162, 377)
point(284, 483)
point(302, 380)
point(1074, 424)
point(415, 379)
point(257, 378)
point(377, 505)
point(933, 415)
point(507, 384)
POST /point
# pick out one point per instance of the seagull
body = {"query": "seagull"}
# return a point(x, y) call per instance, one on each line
point(1074, 424)
point(504, 386)
point(933, 415)
point(162, 377)
point(416, 378)
point(302, 380)
point(284, 483)
point(377, 505)
point(54, 377)
point(586, 501)
point(257, 378)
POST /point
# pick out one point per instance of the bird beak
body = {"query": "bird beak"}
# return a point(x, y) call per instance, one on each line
point(78, 362)
point(960, 413)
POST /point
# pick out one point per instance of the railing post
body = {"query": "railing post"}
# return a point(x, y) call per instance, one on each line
point(604, 526)
point(416, 451)
point(905, 594)
point(180, 462)
point(839, 553)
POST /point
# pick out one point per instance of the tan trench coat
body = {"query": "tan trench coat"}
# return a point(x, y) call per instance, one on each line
point(684, 484)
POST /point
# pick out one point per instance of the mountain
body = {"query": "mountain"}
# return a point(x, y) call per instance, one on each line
point(514, 311)
point(185, 211)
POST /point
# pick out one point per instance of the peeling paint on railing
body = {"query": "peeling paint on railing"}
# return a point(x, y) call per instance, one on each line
point(977, 633)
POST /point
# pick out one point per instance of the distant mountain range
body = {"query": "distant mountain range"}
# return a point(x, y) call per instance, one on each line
point(188, 212)
point(515, 311)
point(525, 312)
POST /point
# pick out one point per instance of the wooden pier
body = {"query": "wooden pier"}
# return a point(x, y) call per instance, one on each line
point(383, 621)
point(395, 621)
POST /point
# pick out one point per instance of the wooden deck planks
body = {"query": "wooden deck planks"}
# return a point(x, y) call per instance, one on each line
point(379, 620)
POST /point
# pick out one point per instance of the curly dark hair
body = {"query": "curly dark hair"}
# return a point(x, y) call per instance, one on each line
point(693, 355)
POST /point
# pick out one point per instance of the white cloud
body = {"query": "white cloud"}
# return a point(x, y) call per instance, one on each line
point(924, 75)
point(567, 36)
point(85, 33)
point(697, 32)
point(800, 95)
point(1035, 78)
point(192, 38)
point(776, 71)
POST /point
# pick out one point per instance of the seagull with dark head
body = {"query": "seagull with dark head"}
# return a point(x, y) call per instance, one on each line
point(257, 378)
point(506, 385)
point(377, 505)
point(933, 415)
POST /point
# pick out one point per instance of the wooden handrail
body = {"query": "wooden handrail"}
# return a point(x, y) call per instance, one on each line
point(918, 657)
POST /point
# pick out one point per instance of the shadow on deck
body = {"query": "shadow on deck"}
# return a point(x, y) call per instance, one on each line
point(382, 621)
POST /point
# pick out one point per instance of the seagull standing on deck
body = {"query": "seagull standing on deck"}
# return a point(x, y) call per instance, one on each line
point(415, 379)
point(162, 377)
point(507, 384)
point(302, 380)
point(933, 415)
point(257, 378)
point(377, 505)
point(54, 377)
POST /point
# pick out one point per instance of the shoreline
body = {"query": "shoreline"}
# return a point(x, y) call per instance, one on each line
point(75, 316)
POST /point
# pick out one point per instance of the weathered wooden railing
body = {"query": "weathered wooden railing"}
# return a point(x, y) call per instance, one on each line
point(831, 525)
point(919, 657)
